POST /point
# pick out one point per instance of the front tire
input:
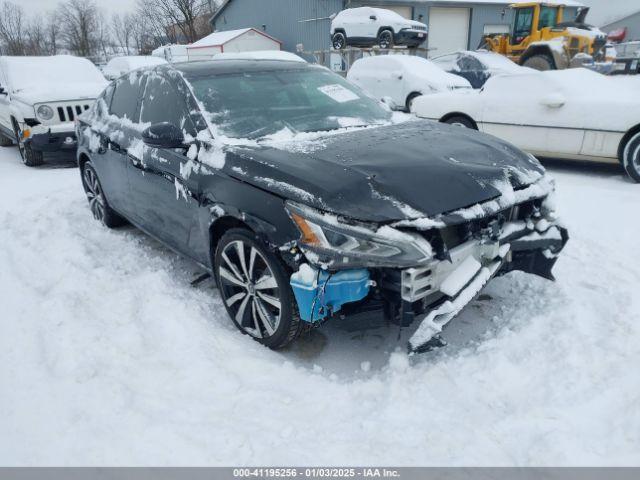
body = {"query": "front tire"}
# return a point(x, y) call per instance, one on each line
point(385, 39)
point(540, 62)
point(30, 157)
point(254, 286)
point(339, 41)
point(460, 121)
point(97, 201)
point(631, 157)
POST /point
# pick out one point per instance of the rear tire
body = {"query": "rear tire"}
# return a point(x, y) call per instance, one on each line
point(97, 201)
point(339, 41)
point(540, 62)
point(385, 39)
point(631, 157)
point(254, 286)
point(460, 121)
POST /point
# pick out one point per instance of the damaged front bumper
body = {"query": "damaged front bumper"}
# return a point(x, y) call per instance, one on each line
point(467, 254)
point(445, 288)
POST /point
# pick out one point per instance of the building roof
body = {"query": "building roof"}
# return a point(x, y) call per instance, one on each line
point(568, 3)
point(217, 39)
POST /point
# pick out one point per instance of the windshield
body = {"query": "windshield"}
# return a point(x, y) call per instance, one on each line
point(27, 73)
point(548, 17)
point(256, 104)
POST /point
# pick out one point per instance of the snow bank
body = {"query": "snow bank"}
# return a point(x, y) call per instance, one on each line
point(109, 357)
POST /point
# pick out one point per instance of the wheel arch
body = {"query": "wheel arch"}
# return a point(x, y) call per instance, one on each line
point(459, 114)
point(381, 29)
point(633, 131)
point(411, 96)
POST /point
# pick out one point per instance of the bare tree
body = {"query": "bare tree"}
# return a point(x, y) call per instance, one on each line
point(122, 27)
point(36, 43)
point(175, 19)
point(52, 32)
point(80, 23)
point(12, 29)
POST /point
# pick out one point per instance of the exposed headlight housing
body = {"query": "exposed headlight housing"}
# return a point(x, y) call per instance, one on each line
point(343, 243)
point(45, 112)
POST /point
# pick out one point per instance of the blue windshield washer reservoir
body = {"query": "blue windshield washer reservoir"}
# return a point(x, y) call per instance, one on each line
point(325, 293)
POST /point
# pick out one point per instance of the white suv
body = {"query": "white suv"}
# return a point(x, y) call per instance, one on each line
point(366, 27)
point(40, 97)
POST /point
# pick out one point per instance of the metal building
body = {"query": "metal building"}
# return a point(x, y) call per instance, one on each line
point(305, 24)
point(630, 22)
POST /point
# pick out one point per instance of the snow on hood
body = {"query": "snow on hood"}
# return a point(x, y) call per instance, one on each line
point(56, 78)
point(409, 171)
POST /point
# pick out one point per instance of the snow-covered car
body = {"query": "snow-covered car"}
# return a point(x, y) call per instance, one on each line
point(402, 78)
point(118, 66)
point(367, 26)
point(478, 66)
point(304, 200)
point(40, 97)
point(573, 114)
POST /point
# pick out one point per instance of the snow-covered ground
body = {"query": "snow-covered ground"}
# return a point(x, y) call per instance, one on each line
point(109, 357)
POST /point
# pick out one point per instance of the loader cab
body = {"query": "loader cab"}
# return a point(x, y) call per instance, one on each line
point(530, 18)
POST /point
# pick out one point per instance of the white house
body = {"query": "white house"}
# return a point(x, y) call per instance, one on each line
point(232, 41)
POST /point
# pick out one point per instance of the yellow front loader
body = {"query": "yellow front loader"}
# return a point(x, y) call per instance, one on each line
point(540, 39)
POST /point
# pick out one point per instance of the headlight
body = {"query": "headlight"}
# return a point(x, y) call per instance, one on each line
point(45, 112)
point(346, 243)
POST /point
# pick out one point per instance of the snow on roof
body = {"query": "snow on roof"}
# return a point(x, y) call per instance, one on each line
point(220, 38)
point(261, 55)
point(26, 73)
point(132, 62)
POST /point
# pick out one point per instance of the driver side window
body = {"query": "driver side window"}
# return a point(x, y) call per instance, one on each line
point(522, 25)
point(162, 103)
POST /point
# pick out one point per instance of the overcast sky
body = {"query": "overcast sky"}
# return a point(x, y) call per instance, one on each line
point(601, 10)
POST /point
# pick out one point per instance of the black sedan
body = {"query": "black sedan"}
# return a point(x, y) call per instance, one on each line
point(306, 202)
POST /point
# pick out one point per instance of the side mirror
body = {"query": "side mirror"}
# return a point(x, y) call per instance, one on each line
point(2, 91)
point(163, 135)
point(373, 17)
point(554, 100)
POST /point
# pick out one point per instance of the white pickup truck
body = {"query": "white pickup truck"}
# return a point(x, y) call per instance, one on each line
point(40, 97)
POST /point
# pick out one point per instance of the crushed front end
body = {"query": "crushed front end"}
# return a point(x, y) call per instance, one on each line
point(424, 269)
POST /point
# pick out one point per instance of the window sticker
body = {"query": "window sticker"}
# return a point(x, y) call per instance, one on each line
point(338, 93)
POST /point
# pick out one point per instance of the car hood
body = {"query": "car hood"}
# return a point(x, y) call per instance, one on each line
point(384, 174)
point(60, 93)
point(415, 24)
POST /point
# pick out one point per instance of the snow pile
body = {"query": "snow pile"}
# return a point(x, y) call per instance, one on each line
point(109, 357)
point(260, 55)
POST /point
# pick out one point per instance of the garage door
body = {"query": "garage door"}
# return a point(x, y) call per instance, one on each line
point(448, 30)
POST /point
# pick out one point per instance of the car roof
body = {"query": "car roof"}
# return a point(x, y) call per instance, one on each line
point(235, 65)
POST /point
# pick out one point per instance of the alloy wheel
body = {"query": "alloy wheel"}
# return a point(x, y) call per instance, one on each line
point(94, 194)
point(385, 39)
point(249, 289)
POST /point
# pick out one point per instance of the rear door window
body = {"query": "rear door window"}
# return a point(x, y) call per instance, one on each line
point(125, 98)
